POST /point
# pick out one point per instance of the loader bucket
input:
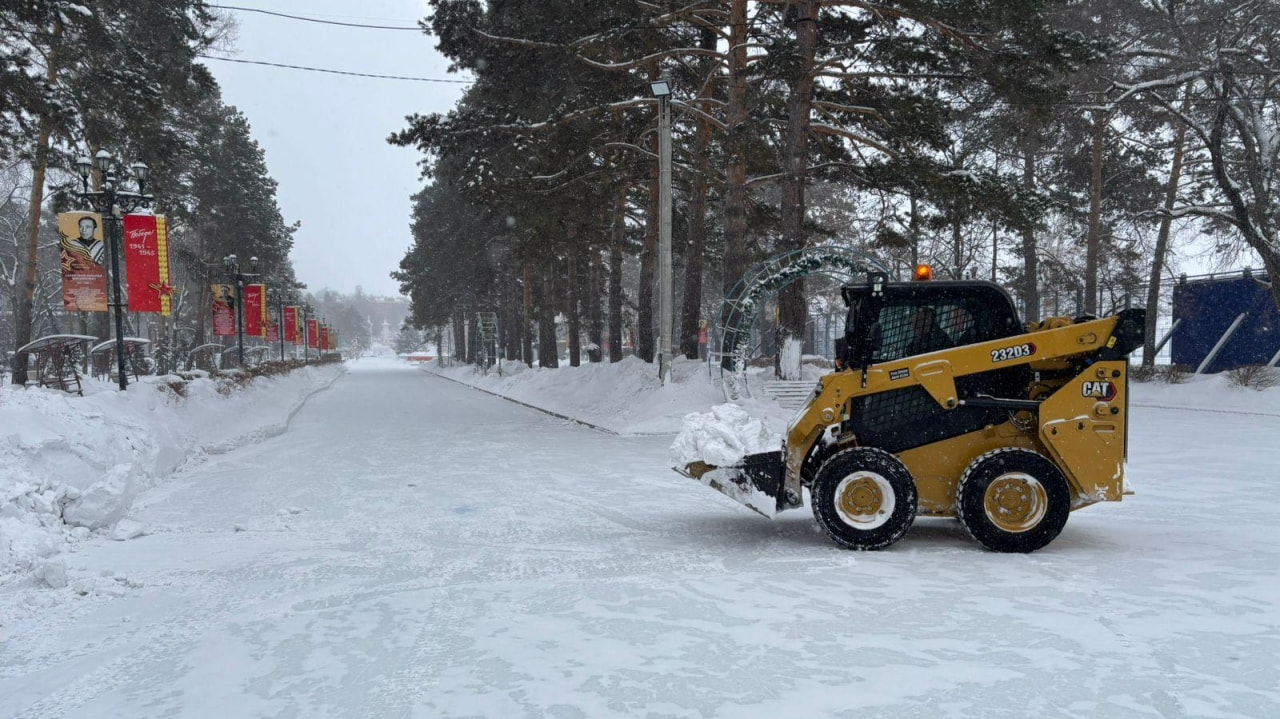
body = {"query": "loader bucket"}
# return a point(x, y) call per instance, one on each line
point(755, 483)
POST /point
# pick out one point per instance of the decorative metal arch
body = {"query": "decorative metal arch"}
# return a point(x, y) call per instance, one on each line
point(727, 353)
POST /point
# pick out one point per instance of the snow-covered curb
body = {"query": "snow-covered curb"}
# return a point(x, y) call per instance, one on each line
point(71, 466)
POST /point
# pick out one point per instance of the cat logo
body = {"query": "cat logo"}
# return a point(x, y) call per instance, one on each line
point(1105, 391)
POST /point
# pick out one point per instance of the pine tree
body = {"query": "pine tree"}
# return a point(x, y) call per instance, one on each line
point(104, 70)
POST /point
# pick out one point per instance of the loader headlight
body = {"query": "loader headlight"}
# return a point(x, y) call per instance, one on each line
point(817, 391)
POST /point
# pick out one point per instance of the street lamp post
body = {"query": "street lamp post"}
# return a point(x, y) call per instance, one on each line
point(277, 301)
point(232, 265)
point(280, 327)
point(113, 204)
point(306, 332)
point(662, 91)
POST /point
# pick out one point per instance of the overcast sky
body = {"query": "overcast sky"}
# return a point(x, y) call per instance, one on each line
point(325, 135)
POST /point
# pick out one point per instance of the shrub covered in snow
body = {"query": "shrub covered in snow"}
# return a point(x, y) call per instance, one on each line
point(1172, 373)
point(1256, 377)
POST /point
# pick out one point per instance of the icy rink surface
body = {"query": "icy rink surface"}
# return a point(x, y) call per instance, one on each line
point(413, 548)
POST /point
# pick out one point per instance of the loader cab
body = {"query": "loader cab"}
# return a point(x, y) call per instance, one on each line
point(891, 320)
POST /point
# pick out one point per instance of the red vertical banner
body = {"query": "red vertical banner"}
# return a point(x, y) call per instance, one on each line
point(273, 332)
point(224, 316)
point(291, 324)
point(313, 334)
point(324, 337)
point(146, 257)
point(255, 310)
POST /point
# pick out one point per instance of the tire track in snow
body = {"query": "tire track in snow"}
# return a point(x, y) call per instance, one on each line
point(1201, 409)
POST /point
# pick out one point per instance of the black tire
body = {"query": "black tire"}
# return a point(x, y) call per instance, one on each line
point(867, 479)
point(1038, 500)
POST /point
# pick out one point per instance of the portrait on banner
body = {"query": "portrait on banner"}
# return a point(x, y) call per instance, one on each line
point(83, 253)
point(224, 313)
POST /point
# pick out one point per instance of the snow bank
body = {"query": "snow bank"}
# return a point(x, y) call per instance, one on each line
point(624, 397)
point(722, 437)
point(71, 466)
point(1205, 392)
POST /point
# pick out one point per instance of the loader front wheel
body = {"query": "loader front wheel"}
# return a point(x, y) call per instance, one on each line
point(1013, 500)
point(864, 498)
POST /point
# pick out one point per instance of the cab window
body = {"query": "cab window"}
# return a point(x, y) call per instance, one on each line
point(914, 328)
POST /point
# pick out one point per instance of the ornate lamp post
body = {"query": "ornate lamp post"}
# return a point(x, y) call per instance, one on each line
point(306, 332)
point(113, 204)
point(232, 265)
point(276, 300)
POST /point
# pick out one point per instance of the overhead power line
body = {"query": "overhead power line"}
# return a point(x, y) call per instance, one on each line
point(413, 28)
point(336, 72)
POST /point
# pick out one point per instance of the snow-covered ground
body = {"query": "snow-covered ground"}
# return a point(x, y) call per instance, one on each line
point(411, 547)
point(71, 466)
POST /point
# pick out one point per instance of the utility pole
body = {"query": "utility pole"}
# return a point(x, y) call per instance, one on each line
point(662, 90)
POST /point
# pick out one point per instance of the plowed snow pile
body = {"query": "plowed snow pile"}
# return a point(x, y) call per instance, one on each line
point(71, 466)
point(722, 437)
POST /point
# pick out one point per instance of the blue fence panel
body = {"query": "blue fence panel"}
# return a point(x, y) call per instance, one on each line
point(1208, 307)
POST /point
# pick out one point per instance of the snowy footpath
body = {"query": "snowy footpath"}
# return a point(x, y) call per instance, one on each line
point(413, 548)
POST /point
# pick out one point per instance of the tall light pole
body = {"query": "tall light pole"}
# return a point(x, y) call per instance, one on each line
point(662, 91)
point(113, 203)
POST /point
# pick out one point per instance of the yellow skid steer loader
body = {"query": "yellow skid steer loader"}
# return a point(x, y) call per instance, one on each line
point(946, 405)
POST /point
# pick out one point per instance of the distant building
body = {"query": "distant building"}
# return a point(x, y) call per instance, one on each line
point(386, 315)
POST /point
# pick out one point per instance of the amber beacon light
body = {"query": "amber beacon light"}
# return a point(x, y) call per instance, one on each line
point(924, 273)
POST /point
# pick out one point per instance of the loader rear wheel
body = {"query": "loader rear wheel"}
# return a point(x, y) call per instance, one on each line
point(1013, 500)
point(864, 498)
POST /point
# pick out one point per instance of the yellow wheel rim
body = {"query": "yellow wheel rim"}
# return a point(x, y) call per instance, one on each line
point(1015, 502)
point(864, 500)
